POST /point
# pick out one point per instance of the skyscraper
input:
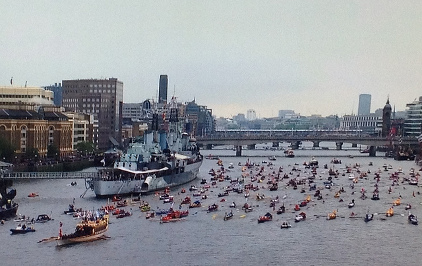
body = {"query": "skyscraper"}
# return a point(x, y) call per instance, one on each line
point(364, 104)
point(162, 92)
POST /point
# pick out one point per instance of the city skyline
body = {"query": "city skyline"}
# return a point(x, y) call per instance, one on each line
point(314, 57)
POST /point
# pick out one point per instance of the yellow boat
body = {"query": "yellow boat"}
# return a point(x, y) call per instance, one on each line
point(390, 212)
point(332, 215)
point(397, 202)
point(308, 199)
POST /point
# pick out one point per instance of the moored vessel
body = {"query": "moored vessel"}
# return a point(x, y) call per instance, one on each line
point(8, 208)
point(161, 160)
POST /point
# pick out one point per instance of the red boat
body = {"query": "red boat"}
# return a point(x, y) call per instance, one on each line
point(178, 214)
point(116, 198)
point(267, 217)
point(124, 214)
point(186, 200)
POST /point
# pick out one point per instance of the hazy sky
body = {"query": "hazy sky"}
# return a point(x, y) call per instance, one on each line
point(314, 57)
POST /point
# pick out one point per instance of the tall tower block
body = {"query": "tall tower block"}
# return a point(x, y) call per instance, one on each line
point(364, 104)
point(162, 91)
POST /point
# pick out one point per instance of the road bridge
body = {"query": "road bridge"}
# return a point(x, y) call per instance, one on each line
point(250, 139)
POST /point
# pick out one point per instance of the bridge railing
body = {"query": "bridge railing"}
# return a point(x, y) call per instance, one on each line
point(306, 137)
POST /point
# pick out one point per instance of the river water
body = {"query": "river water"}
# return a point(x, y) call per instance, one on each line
point(206, 239)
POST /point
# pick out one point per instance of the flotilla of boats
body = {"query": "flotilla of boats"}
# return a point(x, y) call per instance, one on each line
point(256, 178)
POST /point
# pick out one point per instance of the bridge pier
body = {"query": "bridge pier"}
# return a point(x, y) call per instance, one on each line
point(251, 146)
point(316, 144)
point(339, 145)
point(276, 144)
point(239, 151)
point(372, 151)
point(209, 146)
point(295, 145)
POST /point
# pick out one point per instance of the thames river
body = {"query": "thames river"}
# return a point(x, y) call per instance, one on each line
point(206, 239)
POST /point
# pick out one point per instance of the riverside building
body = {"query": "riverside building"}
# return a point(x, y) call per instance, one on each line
point(102, 98)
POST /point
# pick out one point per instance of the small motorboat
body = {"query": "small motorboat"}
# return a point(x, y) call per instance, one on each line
point(368, 217)
point(412, 219)
point(164, 196)
point(267, 217)
point(233, 205)
point(390, 212)
point(122, 203)
point(413, 181)
point(247, 207)
point(123, 214)
point(186, 200)
point(168, 200)
point(116, 198)
point(297, 208)
point(43, 218)
point(375, 196)
point(33, 195)
point(213, 208)
point(303, 203)
point(300, 217)
point(228, 216)
point(332, 215)
point(285, 225)
point(150, 215)
point(281, 210)
point(72, 209)
point(408, 207)
point(145, 208)
point(195, 204)
point(162, 212)
point(22, 229)
point(397, 202)
point(351, 204)
point(259, 197)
